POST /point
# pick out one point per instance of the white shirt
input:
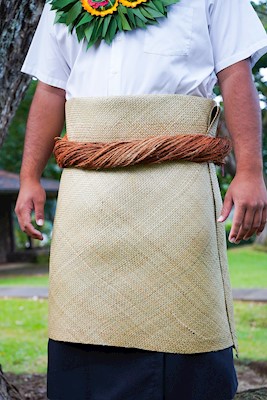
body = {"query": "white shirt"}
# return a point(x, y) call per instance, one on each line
point(182, 54)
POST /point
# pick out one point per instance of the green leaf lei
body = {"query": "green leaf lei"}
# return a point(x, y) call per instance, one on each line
point(95, 20)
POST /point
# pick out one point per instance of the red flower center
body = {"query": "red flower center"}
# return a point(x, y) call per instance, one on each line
point(97, 4)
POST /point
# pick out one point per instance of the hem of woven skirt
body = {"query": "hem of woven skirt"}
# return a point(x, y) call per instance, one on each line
point(219, 255)
point(196, 349)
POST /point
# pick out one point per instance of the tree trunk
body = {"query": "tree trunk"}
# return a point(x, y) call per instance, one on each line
point(17, 25)
point(7, 390)
point(254, 394)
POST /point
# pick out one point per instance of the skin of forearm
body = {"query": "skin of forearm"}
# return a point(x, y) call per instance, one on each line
point(243, 116)
point(45, 122)
point(247, 191)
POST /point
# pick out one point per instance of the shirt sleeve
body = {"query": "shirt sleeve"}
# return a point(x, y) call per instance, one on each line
point(236, 33)
point(44, 59)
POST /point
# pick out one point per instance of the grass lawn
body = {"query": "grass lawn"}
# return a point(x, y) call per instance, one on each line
point(251, 327)
point(248, 267)
point(27, 280)
point(23, 334)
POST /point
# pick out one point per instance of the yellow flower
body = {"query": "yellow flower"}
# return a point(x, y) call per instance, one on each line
point(102, 13)
point(131, 4)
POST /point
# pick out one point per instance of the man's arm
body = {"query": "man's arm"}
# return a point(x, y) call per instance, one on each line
point(45, 122)
point(247, 192)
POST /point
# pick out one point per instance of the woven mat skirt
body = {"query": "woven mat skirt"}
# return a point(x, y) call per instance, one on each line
point(137, 257)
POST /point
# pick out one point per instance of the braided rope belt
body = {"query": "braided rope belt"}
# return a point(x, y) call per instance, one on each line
point(153, 150)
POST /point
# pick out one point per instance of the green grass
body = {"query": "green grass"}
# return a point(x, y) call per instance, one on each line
point(23, 334)
point(251, 327)
point(248, 267)
point(27, 280)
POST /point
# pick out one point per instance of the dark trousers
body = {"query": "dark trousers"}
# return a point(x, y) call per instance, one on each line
point(84, 371)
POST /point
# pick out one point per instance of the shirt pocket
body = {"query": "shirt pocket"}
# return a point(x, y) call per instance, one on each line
point(173, 35)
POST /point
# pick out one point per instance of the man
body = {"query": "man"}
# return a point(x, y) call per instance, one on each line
point(139, 296)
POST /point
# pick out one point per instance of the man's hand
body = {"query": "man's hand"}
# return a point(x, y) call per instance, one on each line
point(249, 196)
point(31, 199)
point(45, 122)
point(247, 191)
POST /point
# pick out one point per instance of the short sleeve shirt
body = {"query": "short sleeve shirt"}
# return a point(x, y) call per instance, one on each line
point(182, 54)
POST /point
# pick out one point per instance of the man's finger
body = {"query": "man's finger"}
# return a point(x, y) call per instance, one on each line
point(256, 223)
point(39, 212)
point(239, 215)
point(24, 218)
point(29, 229)
point(263, 221)
point(227, 207)
point(246, 225)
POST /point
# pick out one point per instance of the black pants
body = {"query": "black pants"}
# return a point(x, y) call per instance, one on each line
point(84, 371)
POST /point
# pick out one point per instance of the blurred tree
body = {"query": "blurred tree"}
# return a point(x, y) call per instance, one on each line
point(17, 24)
point(12, 148)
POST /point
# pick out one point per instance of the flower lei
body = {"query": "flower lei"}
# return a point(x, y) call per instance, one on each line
point(95, 20)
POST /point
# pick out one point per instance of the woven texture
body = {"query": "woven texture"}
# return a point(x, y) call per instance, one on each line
point(137, 258)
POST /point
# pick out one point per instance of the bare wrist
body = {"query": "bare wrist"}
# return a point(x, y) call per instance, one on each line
point(29, 179)
point(250, 174)
point(248, 169)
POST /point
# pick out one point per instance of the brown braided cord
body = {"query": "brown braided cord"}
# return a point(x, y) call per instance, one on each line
point(152, 150)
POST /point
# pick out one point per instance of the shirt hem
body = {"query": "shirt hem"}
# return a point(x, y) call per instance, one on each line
point(255, 52)
point(44, 78)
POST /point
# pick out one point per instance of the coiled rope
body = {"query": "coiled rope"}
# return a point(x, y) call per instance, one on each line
point(152, 150)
